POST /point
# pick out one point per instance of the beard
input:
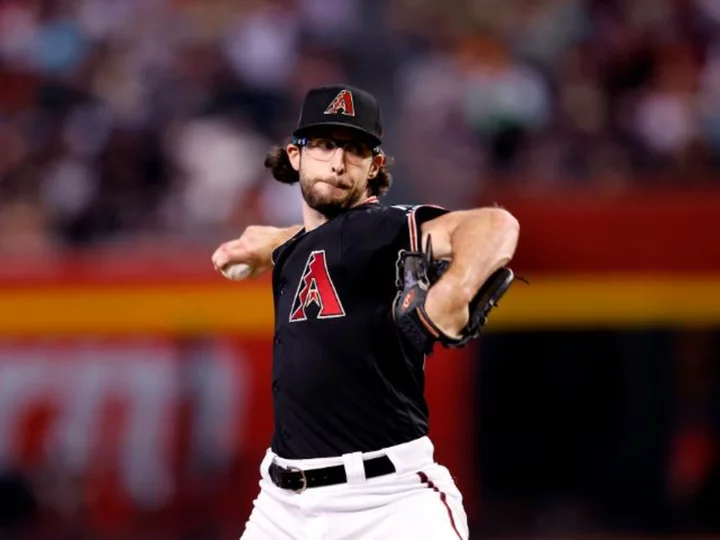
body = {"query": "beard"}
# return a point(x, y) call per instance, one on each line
point(330, 205)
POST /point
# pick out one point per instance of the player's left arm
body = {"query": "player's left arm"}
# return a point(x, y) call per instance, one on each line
point(477, 242)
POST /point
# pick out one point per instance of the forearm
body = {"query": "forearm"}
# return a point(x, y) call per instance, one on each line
point(285, 234)
point(481, 243)
point(254, 248)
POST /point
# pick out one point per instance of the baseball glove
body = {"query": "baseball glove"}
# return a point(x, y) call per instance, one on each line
point(416, 274)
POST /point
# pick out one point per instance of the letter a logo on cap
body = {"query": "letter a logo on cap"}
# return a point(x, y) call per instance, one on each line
point(342, 102)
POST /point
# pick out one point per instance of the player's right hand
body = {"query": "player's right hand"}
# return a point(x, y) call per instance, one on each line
point(254, 248)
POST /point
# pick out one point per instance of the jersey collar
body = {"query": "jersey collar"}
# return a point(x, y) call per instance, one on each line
point(370, 200)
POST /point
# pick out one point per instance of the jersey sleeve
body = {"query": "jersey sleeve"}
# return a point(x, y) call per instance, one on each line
point(415, 216)
point(386, 230)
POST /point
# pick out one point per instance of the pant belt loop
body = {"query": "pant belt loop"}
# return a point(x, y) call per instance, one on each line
point(354, 467)
point(265, 465)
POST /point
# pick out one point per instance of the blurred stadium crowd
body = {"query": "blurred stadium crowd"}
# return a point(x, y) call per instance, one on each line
point(150, 118)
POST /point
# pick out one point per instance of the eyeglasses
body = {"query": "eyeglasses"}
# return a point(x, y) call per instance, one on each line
point(323, 149)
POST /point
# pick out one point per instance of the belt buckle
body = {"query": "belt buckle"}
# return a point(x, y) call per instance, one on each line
point(302, 476)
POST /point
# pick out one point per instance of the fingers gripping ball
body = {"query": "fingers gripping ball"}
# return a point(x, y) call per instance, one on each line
point(416, 274)
point(225, 261)
point(237, 272)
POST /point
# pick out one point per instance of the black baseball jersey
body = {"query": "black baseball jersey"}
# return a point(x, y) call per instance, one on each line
point(343, 379)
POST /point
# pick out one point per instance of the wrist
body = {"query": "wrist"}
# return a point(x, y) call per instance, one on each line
point(446, 308)
point(456, 285)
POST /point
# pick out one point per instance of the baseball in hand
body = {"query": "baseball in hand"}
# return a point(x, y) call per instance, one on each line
point(237, 272)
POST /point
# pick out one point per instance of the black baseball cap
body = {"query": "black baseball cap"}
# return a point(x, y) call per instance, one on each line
point(341, 105)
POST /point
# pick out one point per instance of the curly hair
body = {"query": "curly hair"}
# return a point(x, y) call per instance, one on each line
point(278, 162)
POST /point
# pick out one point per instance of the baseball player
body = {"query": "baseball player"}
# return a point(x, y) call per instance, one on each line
point(362, 293)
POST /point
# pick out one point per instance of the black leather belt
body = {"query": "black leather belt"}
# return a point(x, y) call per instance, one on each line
point(298, 480)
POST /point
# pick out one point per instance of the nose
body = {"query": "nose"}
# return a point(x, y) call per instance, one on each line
point(338, 161)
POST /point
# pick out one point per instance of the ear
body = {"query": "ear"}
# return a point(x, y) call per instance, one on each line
point(293, 152)
point(377, 164)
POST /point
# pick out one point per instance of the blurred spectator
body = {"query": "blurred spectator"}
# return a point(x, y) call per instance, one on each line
point(218, 163)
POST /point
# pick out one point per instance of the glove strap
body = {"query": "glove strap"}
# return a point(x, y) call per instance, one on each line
point(438, 334)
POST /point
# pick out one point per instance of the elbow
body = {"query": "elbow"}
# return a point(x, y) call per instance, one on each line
point(506, 230)
point(505, 221)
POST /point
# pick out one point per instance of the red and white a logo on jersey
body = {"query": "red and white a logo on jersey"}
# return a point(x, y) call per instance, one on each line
point(342, 102)
point(317, 288)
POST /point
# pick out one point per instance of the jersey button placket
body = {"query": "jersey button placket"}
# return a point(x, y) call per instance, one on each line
point(277, 340)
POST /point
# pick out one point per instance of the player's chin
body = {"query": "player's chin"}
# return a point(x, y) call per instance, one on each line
point(323, 193)
point(329, 205)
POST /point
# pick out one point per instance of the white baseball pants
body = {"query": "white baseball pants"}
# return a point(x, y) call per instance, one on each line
point(418, 501)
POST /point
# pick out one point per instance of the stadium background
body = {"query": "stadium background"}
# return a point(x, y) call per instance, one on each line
point(134, 381)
